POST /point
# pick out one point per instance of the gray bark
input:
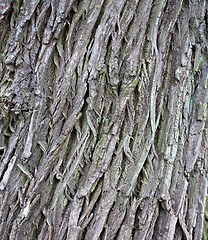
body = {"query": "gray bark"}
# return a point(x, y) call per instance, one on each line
point(103, 123)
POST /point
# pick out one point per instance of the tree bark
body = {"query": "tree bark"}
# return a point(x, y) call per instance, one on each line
point(104, 131)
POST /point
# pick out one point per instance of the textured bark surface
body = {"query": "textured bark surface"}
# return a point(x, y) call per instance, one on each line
point(103, 124)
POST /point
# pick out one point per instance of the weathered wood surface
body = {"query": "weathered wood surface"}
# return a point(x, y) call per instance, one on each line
point(103, 123)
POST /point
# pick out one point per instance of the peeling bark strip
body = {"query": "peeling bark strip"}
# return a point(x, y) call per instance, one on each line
point(103, 122)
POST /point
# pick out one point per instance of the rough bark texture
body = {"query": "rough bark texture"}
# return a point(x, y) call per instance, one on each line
point(103, 124)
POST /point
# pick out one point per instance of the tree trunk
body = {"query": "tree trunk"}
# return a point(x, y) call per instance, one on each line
point(104, 131)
